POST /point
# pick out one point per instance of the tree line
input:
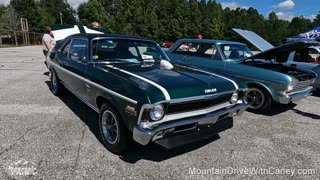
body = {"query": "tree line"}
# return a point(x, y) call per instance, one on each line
point(162, 20)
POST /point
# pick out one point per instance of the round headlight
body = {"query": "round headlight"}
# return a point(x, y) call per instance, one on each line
point(290, 87)
point(157, 112)
point(234, 98)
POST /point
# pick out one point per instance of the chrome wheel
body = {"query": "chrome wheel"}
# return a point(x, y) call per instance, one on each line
point(254, 98)
point(54, 81)
point(110, 127)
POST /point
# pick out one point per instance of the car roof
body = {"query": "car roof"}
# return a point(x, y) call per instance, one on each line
point(96, 35)
point(211, 41)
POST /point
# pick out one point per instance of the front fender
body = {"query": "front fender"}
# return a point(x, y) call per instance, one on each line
point(120, 105)
point(268, 88)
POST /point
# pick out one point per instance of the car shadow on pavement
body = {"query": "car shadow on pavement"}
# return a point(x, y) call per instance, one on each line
point(158, 153)
point(86, 114)
point(136, 152)
point(316, 94)
point(277, 108)
point(310, 115)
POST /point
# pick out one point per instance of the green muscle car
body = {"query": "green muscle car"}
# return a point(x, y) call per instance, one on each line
point(268, 79)
point(138, 93)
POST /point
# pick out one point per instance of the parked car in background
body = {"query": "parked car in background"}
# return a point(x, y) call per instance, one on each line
point(139, 94)
point(307, 58)
point(167, 44)
point(304, 58)
point(268, 81)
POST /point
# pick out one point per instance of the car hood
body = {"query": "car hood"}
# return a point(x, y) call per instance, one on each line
point(281, 52)
point(270, 52)
point(179, 82)
point(254, 39)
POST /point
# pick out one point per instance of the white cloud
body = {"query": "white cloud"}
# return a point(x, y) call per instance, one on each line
point(75, 3)
point(233, 5)
point(5, 2)
point(285, 5)
point(311, 17)
point(285, 15)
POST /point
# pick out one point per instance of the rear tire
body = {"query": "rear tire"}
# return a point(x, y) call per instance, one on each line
point(258, 100)
point(56, 86)
point(114, 133)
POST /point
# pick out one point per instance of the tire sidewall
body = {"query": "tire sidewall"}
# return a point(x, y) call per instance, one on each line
point(266, 104)
point(120, 144)
point(58, 90)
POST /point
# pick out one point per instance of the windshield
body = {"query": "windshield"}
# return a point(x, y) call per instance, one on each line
point(126, 50)
point(235, 51)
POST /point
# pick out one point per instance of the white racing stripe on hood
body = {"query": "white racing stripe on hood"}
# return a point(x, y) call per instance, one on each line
point(162, 89)
point(234, 83)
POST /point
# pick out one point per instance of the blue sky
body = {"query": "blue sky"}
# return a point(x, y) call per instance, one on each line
point(285, 9)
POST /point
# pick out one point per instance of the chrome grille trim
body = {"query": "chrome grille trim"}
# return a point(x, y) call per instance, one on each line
point(302, 85)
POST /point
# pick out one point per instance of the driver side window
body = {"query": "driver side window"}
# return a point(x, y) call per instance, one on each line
point(78, 50)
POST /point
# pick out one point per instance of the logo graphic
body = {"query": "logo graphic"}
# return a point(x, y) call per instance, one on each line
point(22, 168)
point(210, 90)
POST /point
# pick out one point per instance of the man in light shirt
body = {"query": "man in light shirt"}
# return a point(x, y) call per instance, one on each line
point(48, 42)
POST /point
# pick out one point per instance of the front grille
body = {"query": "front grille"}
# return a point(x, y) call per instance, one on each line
point(302, 85)
point(198, 104)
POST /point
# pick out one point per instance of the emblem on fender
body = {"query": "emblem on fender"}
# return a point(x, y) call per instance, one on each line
point(210, 90)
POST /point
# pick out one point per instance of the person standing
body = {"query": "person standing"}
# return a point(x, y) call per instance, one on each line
point(48, 42)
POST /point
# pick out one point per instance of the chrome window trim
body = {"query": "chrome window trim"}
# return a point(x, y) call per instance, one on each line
point(93, 83)
point(127, 38)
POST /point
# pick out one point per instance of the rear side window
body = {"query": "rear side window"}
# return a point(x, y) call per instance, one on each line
point(235, 51)
point(199, 50)
point(78, 50)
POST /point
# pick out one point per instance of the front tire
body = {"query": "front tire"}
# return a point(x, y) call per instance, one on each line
point(113, 131)
point(56, 86)
point(258, 100)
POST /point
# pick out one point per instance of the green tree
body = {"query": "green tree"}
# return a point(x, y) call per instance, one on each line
point(83, 13)
point(36, 15)
point(2, 12)
point(276, 28)
point(11, 21)
point(54, 7)
point(316, 21)
point(299, 25)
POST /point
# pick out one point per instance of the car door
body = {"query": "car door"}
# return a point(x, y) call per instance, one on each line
point(73, 58)
point(181, 53)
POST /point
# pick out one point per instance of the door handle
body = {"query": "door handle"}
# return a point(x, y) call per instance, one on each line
point(293, 65)
point(88, 86)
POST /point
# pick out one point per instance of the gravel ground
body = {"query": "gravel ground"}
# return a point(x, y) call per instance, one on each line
point(45, 137)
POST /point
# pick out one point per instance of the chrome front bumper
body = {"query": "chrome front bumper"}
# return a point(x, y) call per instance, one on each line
point(144, 136)
point(286, 99)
